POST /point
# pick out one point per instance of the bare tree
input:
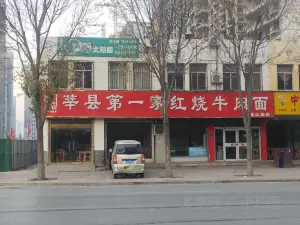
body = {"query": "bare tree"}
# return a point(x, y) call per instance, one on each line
point(242, 30)
point(164, 29)
point(28, 26)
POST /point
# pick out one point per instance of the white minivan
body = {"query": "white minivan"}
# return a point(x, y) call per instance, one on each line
point(127, 158)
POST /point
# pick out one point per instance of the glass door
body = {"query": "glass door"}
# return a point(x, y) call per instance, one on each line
point(230, 144)
point(242, 144)
point(71, 145)
point(255, 143)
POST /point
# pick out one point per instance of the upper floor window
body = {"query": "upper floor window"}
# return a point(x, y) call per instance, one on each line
point(141, 76)
point(197, 76)
point(83, 74)
point(284, 77)
point(176, 81)
point(230, 79)
point(58, 73)
point(117, 76)
point(256, 76)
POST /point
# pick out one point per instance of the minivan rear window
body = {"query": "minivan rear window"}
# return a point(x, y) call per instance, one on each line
point(129, 149)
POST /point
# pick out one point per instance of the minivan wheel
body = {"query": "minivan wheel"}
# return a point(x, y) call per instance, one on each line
point(115, 176)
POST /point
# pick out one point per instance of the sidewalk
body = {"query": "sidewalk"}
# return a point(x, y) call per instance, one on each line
point(76, 176)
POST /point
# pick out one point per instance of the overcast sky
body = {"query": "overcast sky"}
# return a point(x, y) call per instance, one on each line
point(58, 30)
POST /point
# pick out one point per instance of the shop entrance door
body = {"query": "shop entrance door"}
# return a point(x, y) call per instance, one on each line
point(71, 145)
point(235, 146)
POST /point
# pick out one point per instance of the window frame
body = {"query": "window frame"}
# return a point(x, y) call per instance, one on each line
point(231, 76)
point(82, 71)
point(143, 74)
point(198, 73)
point(67, 74)
point(257, 72)
point(180, 74)
point(285, 73)
point(119, 71)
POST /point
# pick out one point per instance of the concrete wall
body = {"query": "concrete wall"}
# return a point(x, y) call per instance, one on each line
point(46, 141)
point(206, 55)
point(159, 151)
point(99, 141)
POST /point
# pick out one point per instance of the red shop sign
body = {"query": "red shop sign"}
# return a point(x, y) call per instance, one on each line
point(142, 104)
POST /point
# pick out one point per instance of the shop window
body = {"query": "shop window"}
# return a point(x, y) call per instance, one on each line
point(117, 76)
point(284, 76)
point(255, 144)
point(176, 81)
point(256, 76)
point(141, 76)
point(135, 130)
point(219, 144)
point(71, 145)
point(230, 79)
point(83, 74)
point(188, 138)
point(58, 74)
point(197, 76)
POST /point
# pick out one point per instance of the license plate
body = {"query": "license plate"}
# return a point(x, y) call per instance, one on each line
point(129, 162)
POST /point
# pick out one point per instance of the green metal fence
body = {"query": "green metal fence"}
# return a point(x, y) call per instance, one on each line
point(17, 154)
point(5, 155)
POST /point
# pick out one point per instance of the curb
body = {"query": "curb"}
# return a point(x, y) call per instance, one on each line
point(97, 184)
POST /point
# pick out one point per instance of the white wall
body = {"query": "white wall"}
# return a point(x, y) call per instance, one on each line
point(46, 136)
point(99, 137)
point(203, 55)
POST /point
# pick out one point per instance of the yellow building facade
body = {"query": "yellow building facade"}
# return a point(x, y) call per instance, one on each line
point(284, 77)
point(284, 53)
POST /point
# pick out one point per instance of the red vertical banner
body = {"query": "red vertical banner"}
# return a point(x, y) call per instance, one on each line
point(12, 134)
point(263, 139)
point(211, 143)
point(28, 130)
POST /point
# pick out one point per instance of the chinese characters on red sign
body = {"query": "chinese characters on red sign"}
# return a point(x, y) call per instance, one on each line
point(134, 104)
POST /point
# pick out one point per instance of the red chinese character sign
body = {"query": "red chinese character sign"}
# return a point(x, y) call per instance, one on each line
point(135, 104)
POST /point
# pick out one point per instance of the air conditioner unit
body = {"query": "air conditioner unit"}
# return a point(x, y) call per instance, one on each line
point(216, 79)
point(158, 129)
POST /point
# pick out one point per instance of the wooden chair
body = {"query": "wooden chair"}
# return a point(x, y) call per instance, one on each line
point(84, 156)
point(60, 155)
point(87, 156)
point(148, 153)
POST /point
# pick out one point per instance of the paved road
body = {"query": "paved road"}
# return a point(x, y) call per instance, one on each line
point(207, 204)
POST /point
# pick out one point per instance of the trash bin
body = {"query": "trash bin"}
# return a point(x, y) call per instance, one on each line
point(282, 157)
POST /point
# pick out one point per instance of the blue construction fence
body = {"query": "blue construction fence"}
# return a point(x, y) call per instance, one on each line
point(17, 154)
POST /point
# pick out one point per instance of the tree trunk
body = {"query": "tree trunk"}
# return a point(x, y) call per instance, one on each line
point(249, 150)
point(40, 154)
point(168, 166)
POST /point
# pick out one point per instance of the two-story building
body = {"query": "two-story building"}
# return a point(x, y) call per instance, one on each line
point(116, 97)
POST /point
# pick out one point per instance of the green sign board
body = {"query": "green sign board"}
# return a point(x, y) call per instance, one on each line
point(98, 47)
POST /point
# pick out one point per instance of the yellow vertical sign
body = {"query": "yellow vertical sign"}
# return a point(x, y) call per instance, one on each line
point(287, 103)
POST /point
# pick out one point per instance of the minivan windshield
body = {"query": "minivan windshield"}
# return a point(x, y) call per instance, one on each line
point(129, 149)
